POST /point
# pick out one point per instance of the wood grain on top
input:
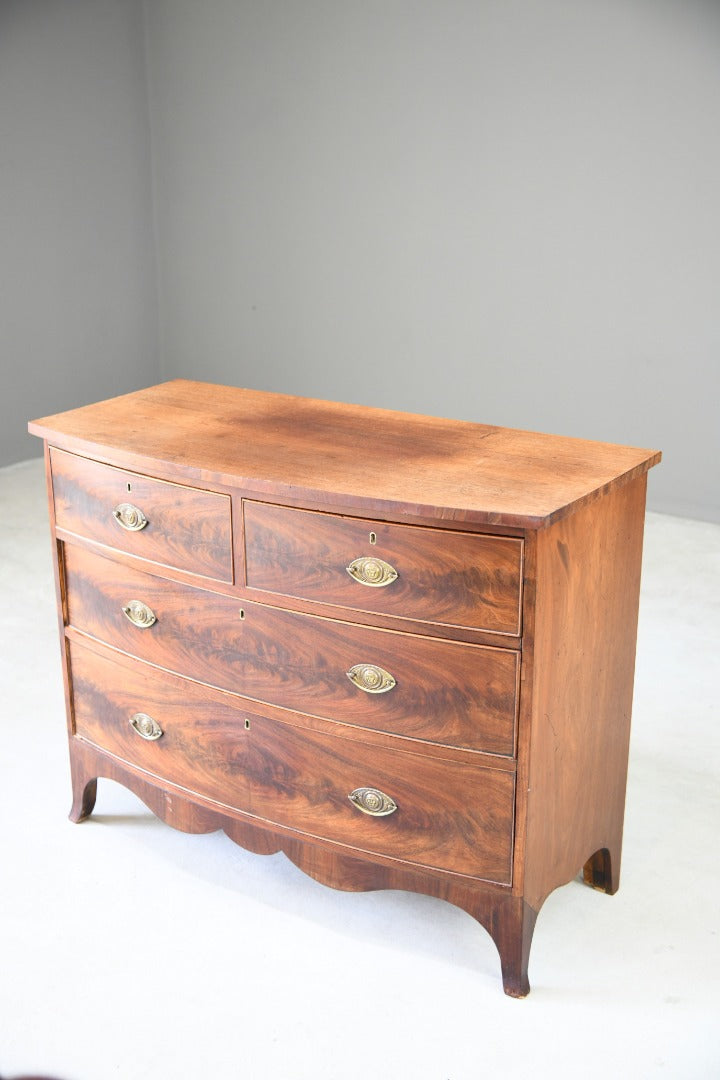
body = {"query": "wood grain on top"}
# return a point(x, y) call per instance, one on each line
point(346, 455)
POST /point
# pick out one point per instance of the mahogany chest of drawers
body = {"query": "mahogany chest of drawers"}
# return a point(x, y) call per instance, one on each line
point(399, 649)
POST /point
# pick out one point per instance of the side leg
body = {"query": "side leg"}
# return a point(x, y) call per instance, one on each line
point(84, 790)
point(602, 871)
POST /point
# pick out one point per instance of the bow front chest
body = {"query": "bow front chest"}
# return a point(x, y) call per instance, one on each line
point(399, 649)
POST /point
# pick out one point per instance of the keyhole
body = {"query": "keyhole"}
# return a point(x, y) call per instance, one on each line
point(247, 725)
point(242, 613)
point(373, 538)
point(129, 487)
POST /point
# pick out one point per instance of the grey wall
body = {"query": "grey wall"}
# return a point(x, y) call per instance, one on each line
point(78, 311)
point(498, 210)
point(493, 209)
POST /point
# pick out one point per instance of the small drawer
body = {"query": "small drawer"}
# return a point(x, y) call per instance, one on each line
point(170, 524)
point(403, 684)
point(447, 815)
point(433, 575)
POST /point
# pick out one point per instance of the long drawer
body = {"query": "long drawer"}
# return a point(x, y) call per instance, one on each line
point(404, 684)
point(451, 816)
point(171, 524)
point(438, 576)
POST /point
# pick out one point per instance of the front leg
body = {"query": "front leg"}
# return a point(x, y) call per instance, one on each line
point(512, 931)
point(510, 921)
point(84, 788)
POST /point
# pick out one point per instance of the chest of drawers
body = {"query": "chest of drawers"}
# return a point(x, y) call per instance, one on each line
point(397, 648)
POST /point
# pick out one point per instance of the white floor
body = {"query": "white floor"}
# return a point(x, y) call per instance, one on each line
point(130, 950)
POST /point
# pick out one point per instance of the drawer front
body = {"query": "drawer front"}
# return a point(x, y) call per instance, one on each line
point(443, 577)
point(449, 816)
point(446, 692)
point(186, 528)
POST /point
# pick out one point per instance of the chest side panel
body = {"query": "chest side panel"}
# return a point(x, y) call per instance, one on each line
point(584, 627)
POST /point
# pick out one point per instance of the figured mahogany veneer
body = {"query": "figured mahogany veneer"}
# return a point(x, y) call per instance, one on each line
point(469, 580)
point(279, 771)
point(186, 528)
point(207, 654)
point(446, 692)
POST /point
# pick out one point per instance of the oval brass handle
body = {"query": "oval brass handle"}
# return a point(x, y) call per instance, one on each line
point(130, 517)
point(145, 726)
point(371, 678)
point(139, 614)
point(373, 802)
point(371, 571)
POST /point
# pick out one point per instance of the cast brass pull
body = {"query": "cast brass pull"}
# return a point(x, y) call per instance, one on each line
point(145, 726)
point(371, 678)
point(371, 571)
point(373, 802)
point(139, 614)
point(130, 517)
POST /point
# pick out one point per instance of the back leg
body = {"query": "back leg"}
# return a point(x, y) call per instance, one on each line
point(602, 872)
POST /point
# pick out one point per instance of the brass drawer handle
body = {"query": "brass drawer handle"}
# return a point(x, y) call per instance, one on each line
point(373, 802)
point(371, 678)
point(139, 614)
point(130, 517)
point(145, 726)
point(371, 571)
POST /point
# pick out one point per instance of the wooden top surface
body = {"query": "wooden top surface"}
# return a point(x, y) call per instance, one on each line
point(346, 455)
